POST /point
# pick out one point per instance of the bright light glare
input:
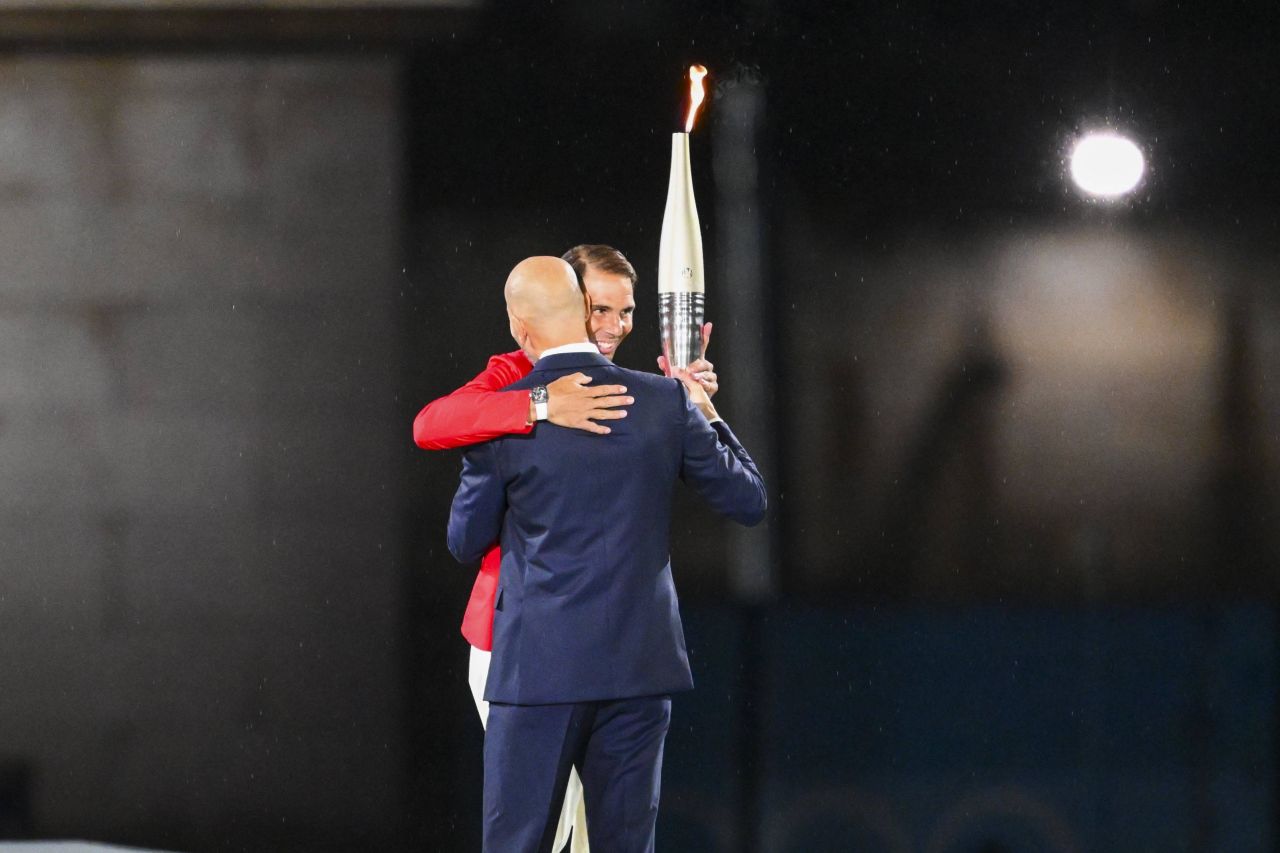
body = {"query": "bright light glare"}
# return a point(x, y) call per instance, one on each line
point(1106, 165)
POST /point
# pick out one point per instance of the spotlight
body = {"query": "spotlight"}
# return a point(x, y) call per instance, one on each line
point(1106, 165)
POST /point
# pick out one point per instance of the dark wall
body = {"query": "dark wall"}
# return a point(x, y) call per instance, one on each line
point(200, 588)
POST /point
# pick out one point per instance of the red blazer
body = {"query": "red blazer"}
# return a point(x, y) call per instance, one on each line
point(476, 412)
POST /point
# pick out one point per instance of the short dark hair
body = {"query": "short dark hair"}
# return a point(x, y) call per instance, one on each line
point(599, 257)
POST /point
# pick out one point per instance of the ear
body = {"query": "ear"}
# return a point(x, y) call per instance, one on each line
point(519, 332)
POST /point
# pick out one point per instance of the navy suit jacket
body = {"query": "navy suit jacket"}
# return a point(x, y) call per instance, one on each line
point(586, 608)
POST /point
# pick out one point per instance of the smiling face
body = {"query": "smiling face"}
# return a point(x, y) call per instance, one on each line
point(613, 305)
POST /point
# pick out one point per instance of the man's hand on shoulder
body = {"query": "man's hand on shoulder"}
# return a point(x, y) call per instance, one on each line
point(572, 401)
point(702, 371)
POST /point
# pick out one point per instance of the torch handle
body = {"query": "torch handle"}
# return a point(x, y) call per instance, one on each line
point(680, 316)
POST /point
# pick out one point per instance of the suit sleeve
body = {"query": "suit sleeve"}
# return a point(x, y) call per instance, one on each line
point(718, 467)
point(475, 519)
point(476, 412)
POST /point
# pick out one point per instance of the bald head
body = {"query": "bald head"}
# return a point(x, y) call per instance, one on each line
point(543, 287)
point(546, 305)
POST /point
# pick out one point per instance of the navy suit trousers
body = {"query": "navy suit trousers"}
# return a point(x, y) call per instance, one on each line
point(617, 747)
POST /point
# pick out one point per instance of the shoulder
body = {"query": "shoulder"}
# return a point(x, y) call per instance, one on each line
point(509, 368)
point(514, 365)
point(647, 383)
point(640, 377)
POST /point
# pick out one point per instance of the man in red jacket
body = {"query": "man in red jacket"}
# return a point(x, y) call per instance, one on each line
point(480, 410)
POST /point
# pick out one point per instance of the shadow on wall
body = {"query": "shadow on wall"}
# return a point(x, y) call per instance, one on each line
point(1077, 413)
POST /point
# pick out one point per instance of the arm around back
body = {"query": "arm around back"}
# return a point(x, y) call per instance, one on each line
point(719, 468)
point(478, 411)
point(475, 519)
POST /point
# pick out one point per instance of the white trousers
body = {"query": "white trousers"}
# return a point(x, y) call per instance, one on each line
point(574, 813)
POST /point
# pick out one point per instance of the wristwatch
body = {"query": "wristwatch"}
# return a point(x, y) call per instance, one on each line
point(539, 397)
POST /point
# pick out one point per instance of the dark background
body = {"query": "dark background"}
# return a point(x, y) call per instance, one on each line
point(1017, 588)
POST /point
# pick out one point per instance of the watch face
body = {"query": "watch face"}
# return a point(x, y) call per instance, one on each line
point(539, 393)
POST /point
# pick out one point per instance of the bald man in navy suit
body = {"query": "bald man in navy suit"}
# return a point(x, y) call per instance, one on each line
point(587, 640)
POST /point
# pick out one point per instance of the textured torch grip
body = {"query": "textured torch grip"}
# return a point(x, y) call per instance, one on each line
point(680, 316)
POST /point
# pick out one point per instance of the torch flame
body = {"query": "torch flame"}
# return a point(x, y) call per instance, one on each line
point(696, 94)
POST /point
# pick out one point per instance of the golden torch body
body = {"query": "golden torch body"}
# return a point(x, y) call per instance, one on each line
point(681, 286)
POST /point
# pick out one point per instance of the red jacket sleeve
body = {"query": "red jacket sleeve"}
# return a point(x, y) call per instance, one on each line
point(477, 411)
point(477, 621)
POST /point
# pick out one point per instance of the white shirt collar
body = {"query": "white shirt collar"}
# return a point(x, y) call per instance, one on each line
point(560, 350)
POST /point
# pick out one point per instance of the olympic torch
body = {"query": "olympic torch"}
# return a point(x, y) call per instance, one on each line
point(681, 287)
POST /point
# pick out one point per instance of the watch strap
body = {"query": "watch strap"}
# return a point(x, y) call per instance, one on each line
point(539, 397)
